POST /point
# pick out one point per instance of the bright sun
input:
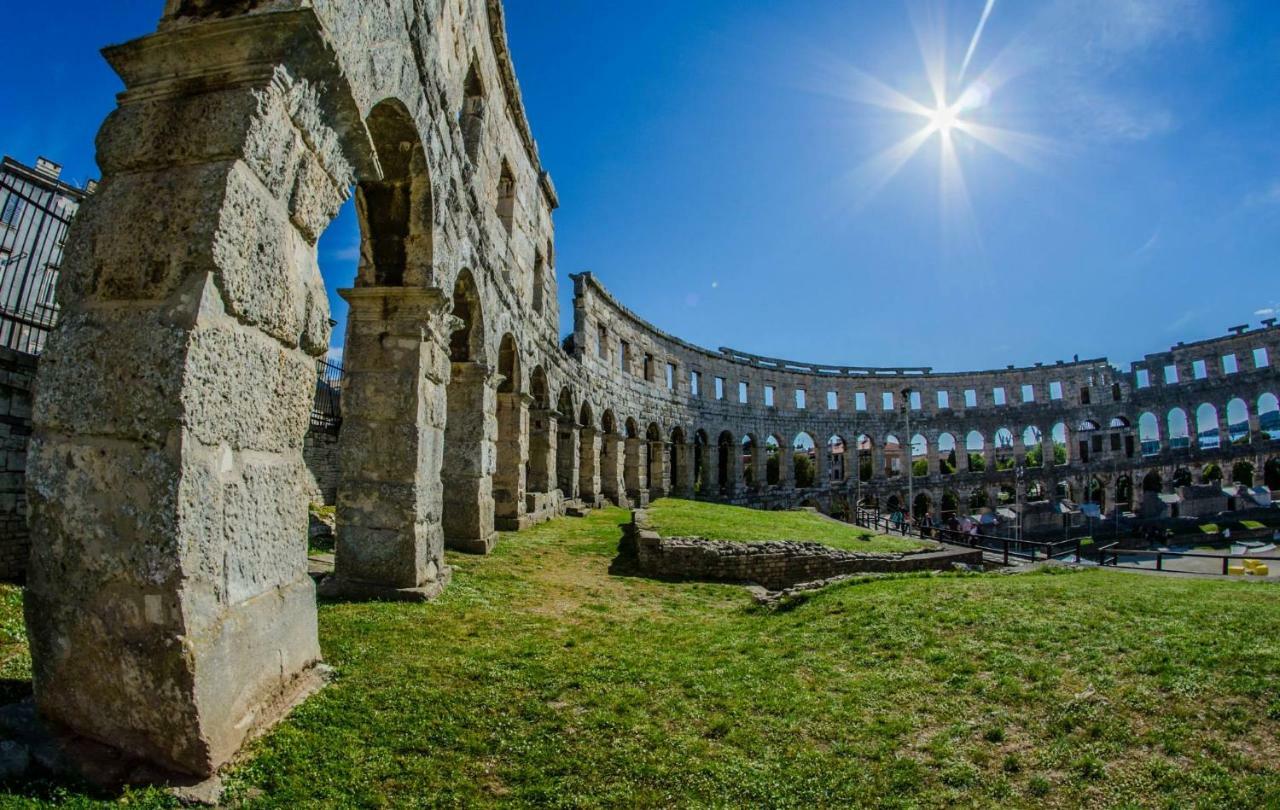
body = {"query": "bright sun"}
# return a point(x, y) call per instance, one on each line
point(943, 119)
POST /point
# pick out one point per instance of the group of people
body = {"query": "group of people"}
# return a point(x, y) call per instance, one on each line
point(929, 524)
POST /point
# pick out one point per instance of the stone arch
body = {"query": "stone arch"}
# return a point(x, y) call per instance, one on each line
point(1271, 474)
point(1153, 483)
point(471, 116)
point(541, 464)
point(657, 471)
point(866, 457)
point(1238, 430)
point(1269, 415)
point(1208, 436)
point(804, 460)
point(634, 463)
point(950, 504)
point(1033, 446)
point(747, 458)
point(1149, 434)
point(837, 453)
point(567, 444)
point(395, 209)
point(919, 456)
point(922, 508)
point(1002, 444)
point(701, 461)
point(679, 463)
point(1096, 493)
point(773, 460)
point(892, 456)
point(467, 513)
point(947, 460)
point(975, 449)
point(1061, 447)
point(588, 454)
point(727, 448)
point(509, 479)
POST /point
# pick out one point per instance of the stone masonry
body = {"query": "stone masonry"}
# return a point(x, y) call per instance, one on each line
point(169, 608)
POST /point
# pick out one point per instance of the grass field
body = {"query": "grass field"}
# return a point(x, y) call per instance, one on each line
point(676, 518)
point(540, 678)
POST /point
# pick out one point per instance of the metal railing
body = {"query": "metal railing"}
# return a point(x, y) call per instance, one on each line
point(326, 414)
point(1007, 548)
point(33, 229)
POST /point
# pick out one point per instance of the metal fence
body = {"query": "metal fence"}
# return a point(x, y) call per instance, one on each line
point(326, 414)
point(33, 229)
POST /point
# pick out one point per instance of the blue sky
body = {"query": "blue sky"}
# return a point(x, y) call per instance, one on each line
point(716, 163)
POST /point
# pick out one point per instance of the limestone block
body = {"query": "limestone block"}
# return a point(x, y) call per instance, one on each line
point(245, 390)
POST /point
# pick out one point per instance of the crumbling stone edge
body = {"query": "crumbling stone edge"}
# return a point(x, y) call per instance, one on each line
point(775, 566)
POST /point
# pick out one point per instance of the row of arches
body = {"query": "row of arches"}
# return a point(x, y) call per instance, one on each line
point(1240, 426)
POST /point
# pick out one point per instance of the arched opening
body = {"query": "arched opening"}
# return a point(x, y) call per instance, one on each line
point(471, 116)
point(1149, 434)
point(539, 290)
point(1152, 482)
point(950, 505)
point(919, 456)
point(892, 456)
point(1086, 439)
point(836, 454)
point(467, 513)
point(975, 445)
point(979, 501)
point(507, 198)
point(947, 461)
point(701, 445)
point(1058, 434)
point(1238, 422)
point(1208, 435)
point(1006, 494)
point(1211, 473)
point(394, 210)
point(1269, 416)
point(866, 466)
point(728, 454)
point(1271, 474)
point(1035, 491)
point(588, 455)
point(657, 471)
point(567, 445)
point(1242, 473)
point(611, 457)
point(678, 463)
point(1004, 456)
point(1181, 477)
point(893, 504)
point(1097, 493)
point(803, 462)
point(1033, 446)
point(1179, 430)
point(747, 457)
point(922, 509)
point(633, 464)
point(509, 477)
point(541, 430)
point(773, 461)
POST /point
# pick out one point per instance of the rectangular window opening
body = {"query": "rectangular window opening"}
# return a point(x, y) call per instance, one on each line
point(1028, 393)
point(860, 401)
point(1260, 358)
point(997, 395)
point(744, 392)
point(1229, 364)
point(944, 401)
point(1055, 391)
point(833, 402)
point(1144, 378)
point(800, 401)
point(768, 396)
point(886, 400)
point(1199, 369)
point(970, 398)
point(719, 387)
point(1170, 374)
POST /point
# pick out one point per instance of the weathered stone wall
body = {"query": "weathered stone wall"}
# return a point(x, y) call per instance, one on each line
point(17, 372)
point(320, 453)
point(774, 565)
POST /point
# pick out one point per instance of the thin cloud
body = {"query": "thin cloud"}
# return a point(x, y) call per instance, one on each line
point(1148, 246)
point(1268, 196)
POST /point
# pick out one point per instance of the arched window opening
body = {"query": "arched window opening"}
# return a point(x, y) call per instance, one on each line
point(539, 283)
point(1033, 446)
point(919, 456)
point(974, 445)
point(748, 457)
point(1242, 473)
point(1179, 430)
point(1149, 434)
point(836, 454)
point(1238, 422)
point(804, 461)
point(507, 198)
point(865, 465)
point(1004, 450)
point(1153, 483)
point(395, 210)
point(471, 116)
point(1207, 434)
point(773, 461)
point(1269, 416)
point(947, 462)
point(463, 343)
point(1059, 436)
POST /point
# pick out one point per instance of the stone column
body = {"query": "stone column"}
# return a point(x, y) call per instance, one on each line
point(734, 472)
point(168, 605)
point(786, 466)
point(611, 455)
point(390, 542)
point(588, 469)
point(682, 475)
point(542, 451)
point(821, 466)
point(631, 474)
point(711, 475)
point(1224, 435)
point(660, 470)
point(510, 482)
point(567, 457)
point(470, 459)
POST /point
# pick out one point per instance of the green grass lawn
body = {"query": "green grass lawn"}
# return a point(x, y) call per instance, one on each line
point(676, 518)
point(541, 679)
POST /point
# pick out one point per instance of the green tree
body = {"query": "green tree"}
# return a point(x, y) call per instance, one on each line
point(804, 470)
point(977, 463)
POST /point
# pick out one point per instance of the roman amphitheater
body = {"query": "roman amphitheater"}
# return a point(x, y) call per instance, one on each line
point(169, 606)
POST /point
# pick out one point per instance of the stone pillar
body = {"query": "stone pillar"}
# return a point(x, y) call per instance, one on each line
point(168, 605)
point(711, 475)
point(786, 466)
point(659, 470)
point(733, 477)
point(821, 466)
point(632, 465)
point(682, 475)
point(510, 482)
point(470, 458)
point(1224, 435)
point(567, 457)
point(390, 541)
point(877, 464)
point(588, 469)
point(611, 456)
point(542, 451)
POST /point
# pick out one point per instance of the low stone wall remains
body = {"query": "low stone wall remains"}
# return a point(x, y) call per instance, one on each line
point(774, 565)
